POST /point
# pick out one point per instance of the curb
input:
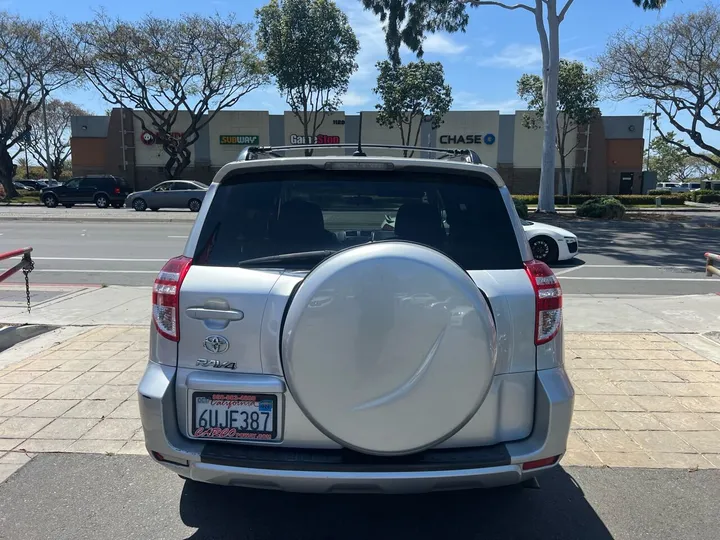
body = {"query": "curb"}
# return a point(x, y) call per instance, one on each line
point(94, 220)
point(12, 335)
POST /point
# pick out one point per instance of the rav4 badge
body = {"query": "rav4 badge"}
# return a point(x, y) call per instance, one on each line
point(218, 364)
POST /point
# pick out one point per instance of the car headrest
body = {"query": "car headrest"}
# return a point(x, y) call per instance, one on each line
point(298, 217)
point(419, 222)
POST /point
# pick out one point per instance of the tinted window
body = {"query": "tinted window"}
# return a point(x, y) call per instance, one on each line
point(165, 186)
point(74, 183)
point(178, 186)
point(288, 212)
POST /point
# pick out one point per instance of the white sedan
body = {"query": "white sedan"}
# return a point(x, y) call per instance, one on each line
point(550, 244)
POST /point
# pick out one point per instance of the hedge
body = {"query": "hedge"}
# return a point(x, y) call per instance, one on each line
point(704, 196)
point(660, 192)
point(630, 200)
point(521, 208)
point(601, 207)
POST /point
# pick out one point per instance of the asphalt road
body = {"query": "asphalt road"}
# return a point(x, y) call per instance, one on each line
point(629, 257)
point(66, 496)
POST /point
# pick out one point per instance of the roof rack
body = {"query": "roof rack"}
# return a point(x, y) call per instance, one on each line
point(268, 152)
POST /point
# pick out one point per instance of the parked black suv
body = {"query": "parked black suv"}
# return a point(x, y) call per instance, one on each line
point(103, 190)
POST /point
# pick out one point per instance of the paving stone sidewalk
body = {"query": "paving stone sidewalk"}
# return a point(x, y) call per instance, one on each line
point(643, 400)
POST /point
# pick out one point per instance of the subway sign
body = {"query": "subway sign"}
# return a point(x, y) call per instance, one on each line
point(239, 139)
point(488, 138)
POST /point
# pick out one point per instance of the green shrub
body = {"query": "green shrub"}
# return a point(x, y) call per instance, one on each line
point(631, 200)
point(673, 198)
point(521, 207)
point(659, 192)
point(705, 196)
point(601, 207)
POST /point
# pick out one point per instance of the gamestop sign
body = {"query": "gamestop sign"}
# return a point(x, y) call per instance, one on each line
point(317, 139)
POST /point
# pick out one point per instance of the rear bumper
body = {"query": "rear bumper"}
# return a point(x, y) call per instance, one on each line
point(335, 471)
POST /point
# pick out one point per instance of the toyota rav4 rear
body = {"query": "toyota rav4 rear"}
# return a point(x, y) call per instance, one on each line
point(298, 346)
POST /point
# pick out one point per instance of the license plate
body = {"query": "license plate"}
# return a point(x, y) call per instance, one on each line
point(219, 415)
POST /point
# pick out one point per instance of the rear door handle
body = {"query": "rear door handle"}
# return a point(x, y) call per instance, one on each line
point(214, 314)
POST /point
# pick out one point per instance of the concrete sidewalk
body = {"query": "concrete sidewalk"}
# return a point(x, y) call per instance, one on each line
point(643, 399)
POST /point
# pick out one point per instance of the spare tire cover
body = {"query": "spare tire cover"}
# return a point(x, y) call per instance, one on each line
point(388, 348)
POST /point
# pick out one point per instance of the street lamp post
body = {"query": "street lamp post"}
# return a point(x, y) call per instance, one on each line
point(45, 124)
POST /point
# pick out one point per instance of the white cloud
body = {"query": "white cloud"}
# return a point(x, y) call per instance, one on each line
point(516, 55)
point(355, 99)
point(523, 56)
point(442, 44)
point(467, 101)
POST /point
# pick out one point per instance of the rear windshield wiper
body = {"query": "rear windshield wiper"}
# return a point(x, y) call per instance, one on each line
point(299, 257)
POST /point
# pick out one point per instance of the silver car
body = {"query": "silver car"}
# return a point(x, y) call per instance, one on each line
point(296, 346)
point(170, 194)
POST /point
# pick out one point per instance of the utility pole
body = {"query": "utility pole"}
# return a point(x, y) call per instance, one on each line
point(45, 124)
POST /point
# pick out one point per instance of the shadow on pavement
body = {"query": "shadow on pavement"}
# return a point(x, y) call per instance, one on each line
point(557, 510)
point(643, 242)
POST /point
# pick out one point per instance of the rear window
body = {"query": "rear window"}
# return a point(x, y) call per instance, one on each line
point(283, 212)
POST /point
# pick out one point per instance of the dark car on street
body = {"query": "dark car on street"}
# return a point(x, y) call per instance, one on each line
point(101, 190)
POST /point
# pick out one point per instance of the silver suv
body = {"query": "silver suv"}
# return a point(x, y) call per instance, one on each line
point(297, 345)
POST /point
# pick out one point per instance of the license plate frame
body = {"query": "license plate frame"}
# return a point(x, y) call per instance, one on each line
point(241, 435)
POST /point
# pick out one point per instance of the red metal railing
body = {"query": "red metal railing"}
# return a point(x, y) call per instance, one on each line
point(25, 263)
point(712, 264)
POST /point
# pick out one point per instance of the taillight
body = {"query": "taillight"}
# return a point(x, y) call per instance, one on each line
point(548, 301)
point(166, 297)
point(117, 191)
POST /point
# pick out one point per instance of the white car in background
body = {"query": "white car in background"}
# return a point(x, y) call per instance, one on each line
point(549, 244)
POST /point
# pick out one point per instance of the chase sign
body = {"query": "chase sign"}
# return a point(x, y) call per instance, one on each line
point(486, 139)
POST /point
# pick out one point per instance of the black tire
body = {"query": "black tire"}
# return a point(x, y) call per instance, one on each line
point(117, 205)
point(102, 200)
point(544, 249)
point(139, 205)
point(194, 205)
point(50, 200)
point(68, 205)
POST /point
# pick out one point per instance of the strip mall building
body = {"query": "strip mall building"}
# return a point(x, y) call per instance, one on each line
point(608, 157)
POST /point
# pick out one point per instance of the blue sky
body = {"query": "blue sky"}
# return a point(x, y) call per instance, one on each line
point(482, 65)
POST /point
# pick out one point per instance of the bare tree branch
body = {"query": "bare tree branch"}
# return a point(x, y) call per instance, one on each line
point(564, 10)
point(498, 4)
point(164, 69)
point(675, 65)
point(31, 67)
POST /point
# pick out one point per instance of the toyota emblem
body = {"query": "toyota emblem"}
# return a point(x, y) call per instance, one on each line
point(216, 344)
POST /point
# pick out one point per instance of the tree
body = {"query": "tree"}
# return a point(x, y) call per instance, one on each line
point(59, 114)
point(702, 169)
point(408, 21)
point(31, 67)
point(410, 94)
point(195, 65)
point(576, 106)
point(674, 65)
point(669, 162)
point(316, 35)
